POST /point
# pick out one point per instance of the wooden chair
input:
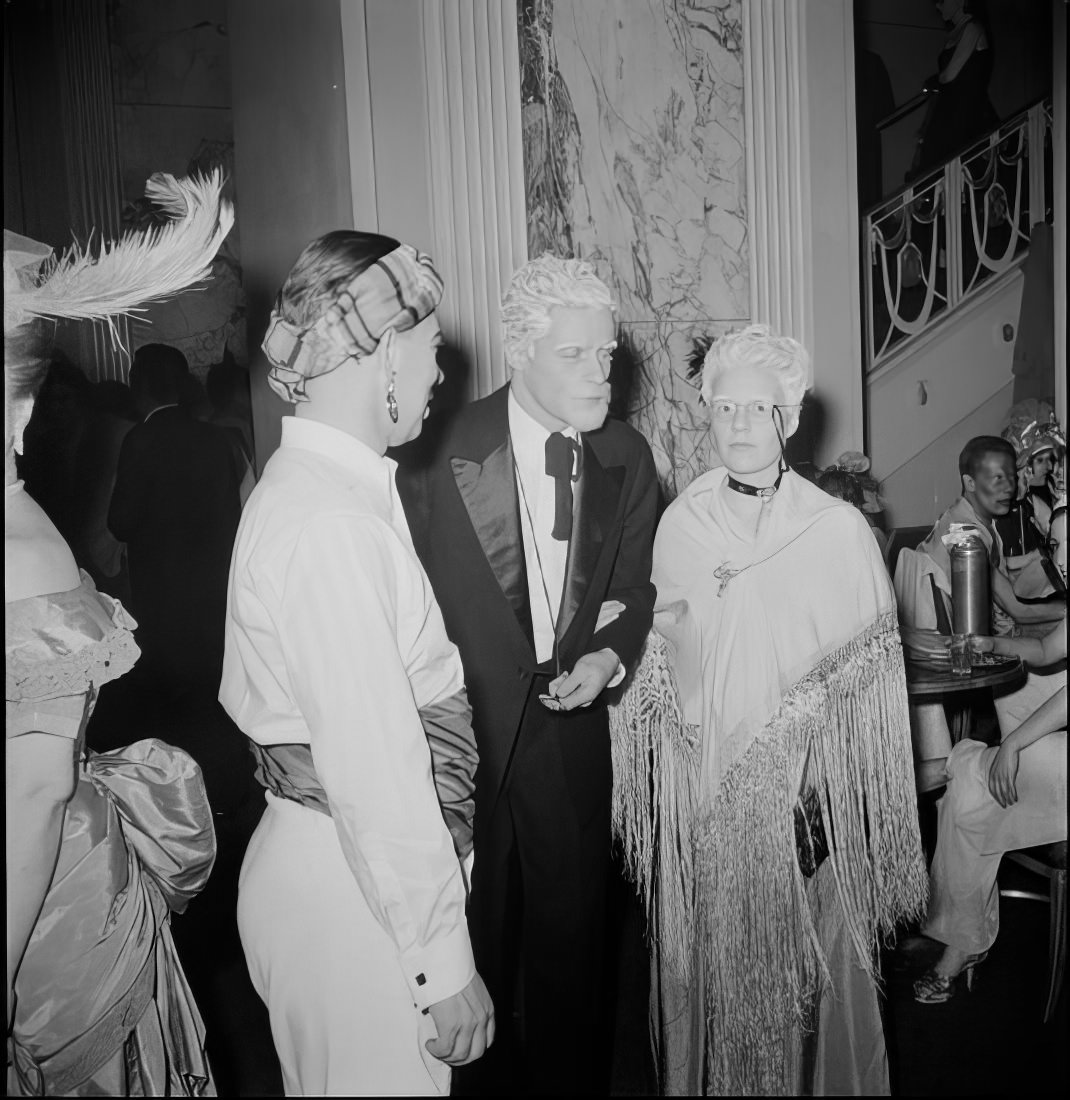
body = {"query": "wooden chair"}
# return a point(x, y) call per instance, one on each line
point(1048, 861)
point(902, 538)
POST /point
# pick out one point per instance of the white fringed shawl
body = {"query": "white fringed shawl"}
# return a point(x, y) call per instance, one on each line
point(798, 653)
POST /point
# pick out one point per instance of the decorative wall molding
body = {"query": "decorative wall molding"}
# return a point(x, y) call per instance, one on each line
point(478, 215)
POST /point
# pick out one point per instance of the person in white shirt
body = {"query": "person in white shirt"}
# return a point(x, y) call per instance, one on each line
point(337, 666)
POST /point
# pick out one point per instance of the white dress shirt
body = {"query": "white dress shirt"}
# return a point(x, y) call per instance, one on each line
point(538, 500)
point(546, 558)
point(334, 639)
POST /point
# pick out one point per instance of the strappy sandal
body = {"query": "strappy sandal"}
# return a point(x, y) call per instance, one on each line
point(933, 989)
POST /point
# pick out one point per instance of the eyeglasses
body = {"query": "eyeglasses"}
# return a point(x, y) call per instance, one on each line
point(761, 411)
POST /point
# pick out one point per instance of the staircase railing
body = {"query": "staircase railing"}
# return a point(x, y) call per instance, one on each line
point(940, 240)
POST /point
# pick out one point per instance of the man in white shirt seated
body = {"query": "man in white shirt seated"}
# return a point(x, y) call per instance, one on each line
point(987, 469)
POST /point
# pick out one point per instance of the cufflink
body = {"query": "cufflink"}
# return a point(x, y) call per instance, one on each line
point(421, 979)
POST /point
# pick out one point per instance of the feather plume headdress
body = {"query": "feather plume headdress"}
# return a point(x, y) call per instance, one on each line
point(1032, 427)
point(138, 268)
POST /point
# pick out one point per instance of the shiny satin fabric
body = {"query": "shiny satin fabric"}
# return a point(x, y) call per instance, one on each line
point(138, 840)
point(288, 771)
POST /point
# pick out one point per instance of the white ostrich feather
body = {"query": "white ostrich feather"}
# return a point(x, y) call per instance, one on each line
point(138, 268)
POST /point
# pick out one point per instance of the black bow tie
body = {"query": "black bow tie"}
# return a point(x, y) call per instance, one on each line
point(562, 454)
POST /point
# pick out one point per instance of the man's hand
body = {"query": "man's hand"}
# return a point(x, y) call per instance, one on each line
point(586, 681)
point(1003, 774)
point(465, 1025)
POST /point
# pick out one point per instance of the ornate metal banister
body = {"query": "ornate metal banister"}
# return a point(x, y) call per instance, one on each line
point(939, 240)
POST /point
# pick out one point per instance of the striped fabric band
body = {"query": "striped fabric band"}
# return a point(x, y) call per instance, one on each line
point(398, 291)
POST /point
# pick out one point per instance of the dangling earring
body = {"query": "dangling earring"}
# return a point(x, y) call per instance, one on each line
point(391, 402)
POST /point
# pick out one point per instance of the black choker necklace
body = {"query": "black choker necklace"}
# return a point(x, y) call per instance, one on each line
point(751, 490)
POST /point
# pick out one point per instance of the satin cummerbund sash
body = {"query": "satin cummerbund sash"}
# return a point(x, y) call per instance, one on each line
point(288, 772)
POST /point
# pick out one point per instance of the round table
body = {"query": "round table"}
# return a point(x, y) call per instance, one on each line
point(931, 681)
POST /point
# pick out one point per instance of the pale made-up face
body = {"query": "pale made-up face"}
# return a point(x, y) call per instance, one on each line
point(1041, 466)
point(745, 437)
point(566, 373)
point(415, 360)
point(993, 486)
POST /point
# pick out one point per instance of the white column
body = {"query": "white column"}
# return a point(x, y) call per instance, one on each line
point(478, 211)
point(778, 173)
point(802, 196)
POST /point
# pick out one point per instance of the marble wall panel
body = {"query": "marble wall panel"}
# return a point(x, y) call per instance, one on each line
point(662, 401)
point(634, 159)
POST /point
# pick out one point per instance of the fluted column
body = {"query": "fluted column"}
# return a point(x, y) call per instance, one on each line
point(802, 197)
point(778, 176)
point(478, 217)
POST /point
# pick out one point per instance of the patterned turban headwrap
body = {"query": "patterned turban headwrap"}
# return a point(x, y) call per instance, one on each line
point(396, 292)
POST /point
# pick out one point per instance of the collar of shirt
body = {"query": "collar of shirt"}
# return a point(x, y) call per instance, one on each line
point(962, 511)
point(529, 441)
point(340, 447)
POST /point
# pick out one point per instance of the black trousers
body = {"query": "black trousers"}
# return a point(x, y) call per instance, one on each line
point(537, 916)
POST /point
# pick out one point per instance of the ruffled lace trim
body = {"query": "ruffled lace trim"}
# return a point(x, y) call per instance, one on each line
point(30, 676)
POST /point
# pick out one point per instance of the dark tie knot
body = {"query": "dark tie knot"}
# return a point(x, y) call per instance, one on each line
point(562, 454)
point(560, 451)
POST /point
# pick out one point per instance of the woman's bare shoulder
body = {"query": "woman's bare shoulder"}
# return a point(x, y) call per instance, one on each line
point(37, 561)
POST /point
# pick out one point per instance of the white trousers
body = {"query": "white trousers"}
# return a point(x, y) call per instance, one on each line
point(973, 831)
point(342, 1016)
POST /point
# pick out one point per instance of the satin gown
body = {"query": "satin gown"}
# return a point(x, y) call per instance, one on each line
point(102, 1006)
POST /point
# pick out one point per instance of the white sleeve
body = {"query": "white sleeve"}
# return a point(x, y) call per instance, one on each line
point(343, 607)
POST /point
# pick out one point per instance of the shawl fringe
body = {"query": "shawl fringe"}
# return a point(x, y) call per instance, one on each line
point(763, 962)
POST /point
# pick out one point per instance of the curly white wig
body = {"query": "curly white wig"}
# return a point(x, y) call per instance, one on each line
point(537, 288)
point(759, 346)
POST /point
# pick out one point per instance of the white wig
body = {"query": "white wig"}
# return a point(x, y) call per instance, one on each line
point(759, 346)
point(540, 286)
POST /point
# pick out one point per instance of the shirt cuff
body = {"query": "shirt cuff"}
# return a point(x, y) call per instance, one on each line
point(441, 969)
point(618, 675)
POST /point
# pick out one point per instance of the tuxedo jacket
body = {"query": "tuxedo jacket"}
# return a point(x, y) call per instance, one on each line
point(464, 513)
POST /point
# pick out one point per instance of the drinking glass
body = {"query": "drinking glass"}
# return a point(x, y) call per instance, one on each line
point(960, 654)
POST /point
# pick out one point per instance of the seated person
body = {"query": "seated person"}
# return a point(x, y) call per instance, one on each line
point(987, 471)
point(999, 799)
point(846, 485)
point(1038, 442)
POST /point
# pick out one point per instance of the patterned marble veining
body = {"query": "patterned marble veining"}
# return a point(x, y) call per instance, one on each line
point(663, 401)
point(634, 159)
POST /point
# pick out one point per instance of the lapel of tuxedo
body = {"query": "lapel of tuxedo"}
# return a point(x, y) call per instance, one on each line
point(597, 500)
point(488, 490)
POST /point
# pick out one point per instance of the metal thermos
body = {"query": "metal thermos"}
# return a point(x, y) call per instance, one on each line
point(971, 606)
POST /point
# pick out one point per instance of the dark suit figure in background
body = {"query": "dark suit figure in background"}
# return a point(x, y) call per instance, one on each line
point(175, 505)
point(536, 527)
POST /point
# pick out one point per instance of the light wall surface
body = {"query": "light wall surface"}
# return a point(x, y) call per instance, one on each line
point(291, 157)
point(963, 372)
